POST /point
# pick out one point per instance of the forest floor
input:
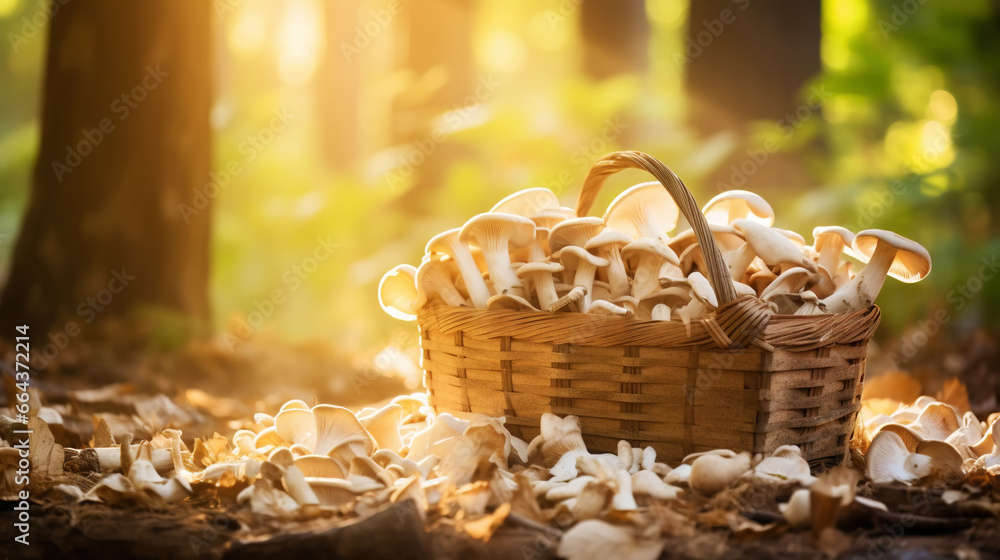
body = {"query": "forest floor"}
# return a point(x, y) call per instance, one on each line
point(204, 390)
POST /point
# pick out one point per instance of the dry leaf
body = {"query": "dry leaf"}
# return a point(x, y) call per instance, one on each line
point(484, 527)
point(102, 434)
point(46, 455)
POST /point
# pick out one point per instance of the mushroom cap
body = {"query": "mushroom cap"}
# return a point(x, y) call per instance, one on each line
point(701, 288)
point(528, 268)
point(518, 230)
point(912, 262)
point(527, 202)
point(443, 242)
point(792, 280)
point(772, 246)
point(643, 210)
point(549, 217)
point(646, 245)
point(319, 465)
point(671, 297)
point(832, 232)
point(336, 424)
point(434, 276)
point(793, 236)
point(571, 256)
point(888, 460)
point(741, 204)
point(383, 425)
point(397, 292)
point(575, 232)
point(607, 237)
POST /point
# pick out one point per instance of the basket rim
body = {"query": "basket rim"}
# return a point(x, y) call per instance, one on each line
point(726, 329)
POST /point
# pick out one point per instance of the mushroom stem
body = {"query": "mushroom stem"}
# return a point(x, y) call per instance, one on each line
point(861, 291)
point(618, 283)
point(647, 276)
point(545, 289)
point(661, 312)
point(584, 277)
point(474, 283)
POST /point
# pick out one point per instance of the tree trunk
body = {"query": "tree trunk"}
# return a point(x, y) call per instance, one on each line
point(120, 208)
point(615, 37)
point(748, 60)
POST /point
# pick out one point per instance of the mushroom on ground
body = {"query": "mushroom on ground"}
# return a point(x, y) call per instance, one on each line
point(495, 234)
point(593, 539)
point(643, 210)
point(888, 460)
point(449, 243)
point(889, 254)
point(712, 473)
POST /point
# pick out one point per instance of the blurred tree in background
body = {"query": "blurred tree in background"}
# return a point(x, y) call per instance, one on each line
point(348, 133)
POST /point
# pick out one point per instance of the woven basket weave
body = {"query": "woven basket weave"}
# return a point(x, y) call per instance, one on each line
point(742, 379)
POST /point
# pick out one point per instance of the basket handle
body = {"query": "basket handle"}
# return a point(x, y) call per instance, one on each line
point(718, 271)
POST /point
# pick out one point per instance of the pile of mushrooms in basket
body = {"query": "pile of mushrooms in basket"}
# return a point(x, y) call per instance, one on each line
point(529, 253)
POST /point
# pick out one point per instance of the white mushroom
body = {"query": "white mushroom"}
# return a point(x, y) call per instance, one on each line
point(448, 243)
point(889, 254)
point(712, 473)
point(434, 282)
point(608, 245)
point(585, 266)
point(527, 202)
point(736, 204)
point(643, 210)
point(830, 242)
point(397, 292)
point(888, 460)
point(649, 256)
point(495, 234)
point(539, 277)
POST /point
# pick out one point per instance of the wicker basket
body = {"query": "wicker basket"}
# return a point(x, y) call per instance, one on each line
point(743, 379)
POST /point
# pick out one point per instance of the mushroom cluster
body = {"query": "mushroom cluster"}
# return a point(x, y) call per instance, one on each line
point(529, 253)
point(927, 440)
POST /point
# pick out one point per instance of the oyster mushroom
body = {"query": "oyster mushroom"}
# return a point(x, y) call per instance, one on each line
point(736, 204)
point(608, 245)
point(830, 242)
point(593, 539)
point(527, 202)
point(649, 255)
point(585, 266)
point(647, 483)
point(449, 243)
point(383, 425)
point(539, 277)
point(495, 234)
point(643, 210)
point(658, 305)
point(888, 460)
point(574, 233)
point(712, 473)
point(771, 246)
point(434, 282)
point(889, 254)
point(550, 217)
point(397, 292)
